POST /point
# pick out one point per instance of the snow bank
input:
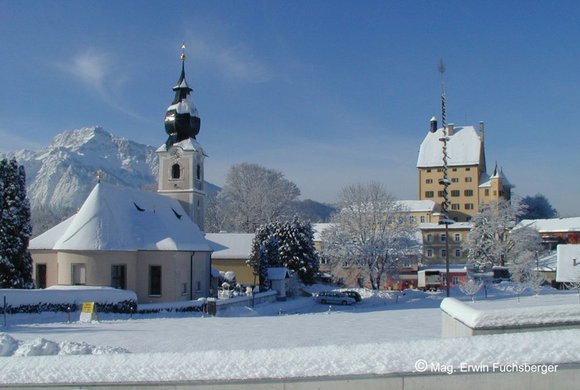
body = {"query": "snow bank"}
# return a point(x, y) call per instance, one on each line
point(555, 347)
point(66, 295)
point(514, 317)
point(9, 346)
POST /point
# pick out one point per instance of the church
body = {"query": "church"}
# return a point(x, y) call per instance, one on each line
point(126, 238)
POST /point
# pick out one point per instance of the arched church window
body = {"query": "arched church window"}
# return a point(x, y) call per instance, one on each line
point(198, 172)
point(175, 171)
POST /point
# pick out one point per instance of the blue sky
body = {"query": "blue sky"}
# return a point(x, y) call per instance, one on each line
point(329, 92)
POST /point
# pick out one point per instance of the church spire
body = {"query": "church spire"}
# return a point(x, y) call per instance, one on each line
point(181, 88)
point(181, 119)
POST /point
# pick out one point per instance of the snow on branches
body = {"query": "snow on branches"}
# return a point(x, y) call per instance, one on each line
point(370, 233)
point(15, 228)
point(284, 244)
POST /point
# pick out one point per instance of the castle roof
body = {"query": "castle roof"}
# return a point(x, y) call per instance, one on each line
point(464, 147)
point(125, 219)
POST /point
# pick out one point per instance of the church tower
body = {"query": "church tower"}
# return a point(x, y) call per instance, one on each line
point(181, 158)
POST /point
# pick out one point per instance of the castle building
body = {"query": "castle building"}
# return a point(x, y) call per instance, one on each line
point(471, 186)
point(131, 239)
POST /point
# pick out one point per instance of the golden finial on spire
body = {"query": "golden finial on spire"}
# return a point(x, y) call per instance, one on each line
point(183, 57)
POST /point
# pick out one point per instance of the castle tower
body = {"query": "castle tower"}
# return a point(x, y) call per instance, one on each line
point(181, 158)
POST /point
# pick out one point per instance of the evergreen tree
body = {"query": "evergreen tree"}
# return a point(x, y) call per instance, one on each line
point(287, 244)
point(15, 228)
point(265, 252)
point(297, 251)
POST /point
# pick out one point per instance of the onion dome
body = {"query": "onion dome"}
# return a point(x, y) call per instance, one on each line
point(181, 118)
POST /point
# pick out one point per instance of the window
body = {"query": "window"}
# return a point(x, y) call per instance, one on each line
point(443, 237)
point(429, 238)
point(454, 169)
point(468, 169)
point(457, 252)
point(455, 180)
point(443, 253)
point(79, 274)
point(175, 171)
point(455, 193)
point(468, 192)
point(440, 194)
point(486, 192)
point(119, 276)
point(457, 237)
point(455, 280)
point(40, 275)
point(155, 280)
point(198, 286)
point(468, 179)
point(429, 252)
point(454, 206)
point(198, 172)
point(428, 170)
point(422, 219)
point(468, 206)
point(183, 288)
point(429, 194)
point(429, 181)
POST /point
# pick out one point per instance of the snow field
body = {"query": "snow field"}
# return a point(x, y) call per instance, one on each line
point(377, 336)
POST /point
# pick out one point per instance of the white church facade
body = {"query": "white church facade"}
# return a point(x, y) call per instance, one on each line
point(126, 238)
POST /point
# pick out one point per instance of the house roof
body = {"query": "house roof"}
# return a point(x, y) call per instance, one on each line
point(454, 226)
point(552, 225)
point(463, 148)
point(117, 218)
point(419, 205)
point(231, 245)
point(278, 273)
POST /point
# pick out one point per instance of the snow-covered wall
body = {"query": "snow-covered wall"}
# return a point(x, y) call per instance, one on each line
point(459, 319)
point(65, 295)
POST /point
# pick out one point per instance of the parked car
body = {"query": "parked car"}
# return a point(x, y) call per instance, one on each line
point(337, 298)
point(353, 294)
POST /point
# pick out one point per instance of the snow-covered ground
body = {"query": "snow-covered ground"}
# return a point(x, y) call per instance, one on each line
point(385, 333)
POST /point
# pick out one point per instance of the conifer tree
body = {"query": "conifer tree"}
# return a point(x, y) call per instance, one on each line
point(15, 228)
point(287, 244)
point(297, 251)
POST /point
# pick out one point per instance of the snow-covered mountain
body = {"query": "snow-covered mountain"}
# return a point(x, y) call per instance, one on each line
point(60, 176)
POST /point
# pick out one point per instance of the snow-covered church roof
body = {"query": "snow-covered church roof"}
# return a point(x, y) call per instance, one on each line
point(116, 218)
point(463, 148)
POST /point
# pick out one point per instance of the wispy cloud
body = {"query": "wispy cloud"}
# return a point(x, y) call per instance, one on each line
point(12, 141)
point(236, 62)
point(97, 70)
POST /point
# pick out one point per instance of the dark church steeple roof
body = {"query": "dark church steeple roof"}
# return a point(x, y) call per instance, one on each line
point(181, 119)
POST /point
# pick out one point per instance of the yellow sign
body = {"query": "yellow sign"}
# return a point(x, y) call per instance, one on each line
point(88, 307)
point(88, 312)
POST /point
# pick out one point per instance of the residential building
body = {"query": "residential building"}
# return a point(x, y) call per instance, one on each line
point(231, 252)
point(555, 231)
point(435, 242)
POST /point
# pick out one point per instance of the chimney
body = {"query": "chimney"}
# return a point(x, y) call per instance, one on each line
point(450, 129)
point(481, 131)
point(433, 127)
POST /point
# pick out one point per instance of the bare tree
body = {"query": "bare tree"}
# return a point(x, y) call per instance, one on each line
point(471, 287)
point(369, 232)
point(492, 242)
point(253, 196)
